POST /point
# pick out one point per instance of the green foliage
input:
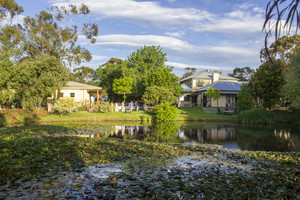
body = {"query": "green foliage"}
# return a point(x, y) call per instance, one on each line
point(268, 82)
point(53, 34)
point(256, 116)
point(37, 79)
point(7, 71)
point(108, 72)
point(9, 9)
point(122, 86)
point(82, 74)
point(213, 93)
point(141, 62)
point(158, 94)
point(245, 100)
point(291, 87)
point(285, 48)
point(164, 112)
point(165, 78)
point(2, 120)
point(65, 105)
point(81, 108)
point(243, 74)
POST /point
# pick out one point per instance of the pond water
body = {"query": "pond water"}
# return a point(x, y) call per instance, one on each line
point(230, 136)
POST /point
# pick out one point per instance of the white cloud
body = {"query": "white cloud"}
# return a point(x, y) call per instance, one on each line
point(181, 50)
point(175, 34)
point(243, 20)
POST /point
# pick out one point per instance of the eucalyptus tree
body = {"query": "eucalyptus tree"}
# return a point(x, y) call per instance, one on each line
point(53, 33)
point(9, 9)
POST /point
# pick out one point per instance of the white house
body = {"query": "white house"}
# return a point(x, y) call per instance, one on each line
point(82, 93)
point(196, 85)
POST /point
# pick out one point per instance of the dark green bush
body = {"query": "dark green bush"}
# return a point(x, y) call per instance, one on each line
point(256, 115)
point(2, 120)
point(164, 112)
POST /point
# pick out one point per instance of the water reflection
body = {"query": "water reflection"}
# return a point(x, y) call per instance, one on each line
point(228, 136)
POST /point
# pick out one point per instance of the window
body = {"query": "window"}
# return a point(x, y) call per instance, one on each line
point(187, 98)
point(61, 94)
point(200, 83)
point(72, 94)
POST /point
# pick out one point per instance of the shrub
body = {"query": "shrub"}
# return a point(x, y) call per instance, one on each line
point(81, 108)
point(2, 120)
point(256, 115)
point(65, 105)
point(164, 112)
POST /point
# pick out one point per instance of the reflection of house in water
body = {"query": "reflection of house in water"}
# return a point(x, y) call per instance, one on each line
point(209, 134)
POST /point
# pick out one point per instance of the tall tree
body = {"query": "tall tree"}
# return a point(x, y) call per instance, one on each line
point(141, 62)
point(106, 74)
point(53, 34)
point(268, 82)
point(165, 78)
point(7, 72)
point(291, 87)
point(243, 74)
point(188, 72)
point(37, 79)
point(9, 9)
point(285, 48)
point(83, 74)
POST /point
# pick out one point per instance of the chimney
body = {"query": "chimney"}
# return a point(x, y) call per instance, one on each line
point(215, 76)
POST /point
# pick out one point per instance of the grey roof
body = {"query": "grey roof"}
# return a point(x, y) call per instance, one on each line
point(79, 86)
point(225, 87)
point(187, 88)
point(206, 74)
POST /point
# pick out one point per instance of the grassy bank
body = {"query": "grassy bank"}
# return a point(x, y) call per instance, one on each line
point(37, 162)
point(21, 117)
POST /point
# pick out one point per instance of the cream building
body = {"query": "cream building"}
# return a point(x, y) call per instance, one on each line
point(82, 93)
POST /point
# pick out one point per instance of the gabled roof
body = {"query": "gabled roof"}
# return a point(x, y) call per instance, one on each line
point(187, 88)
point(206, 74)
point(228, 87)
point(79, 86)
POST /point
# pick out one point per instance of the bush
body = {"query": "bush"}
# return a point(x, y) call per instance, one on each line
point(65, 105)
point(256, 115)
point(164, 112)
point(2, 120)
point(81, 108)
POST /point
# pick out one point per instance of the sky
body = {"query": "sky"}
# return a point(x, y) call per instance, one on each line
point(205, 34)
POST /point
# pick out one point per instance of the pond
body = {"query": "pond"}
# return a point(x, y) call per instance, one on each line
point(232, 136)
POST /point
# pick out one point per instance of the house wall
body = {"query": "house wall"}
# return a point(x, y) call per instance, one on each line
point(81, 96)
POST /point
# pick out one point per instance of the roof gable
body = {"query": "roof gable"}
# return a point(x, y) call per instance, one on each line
point(206, 74)
point(79, 86)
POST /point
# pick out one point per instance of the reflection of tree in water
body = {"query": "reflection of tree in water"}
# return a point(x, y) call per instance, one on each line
point(268, 139)
point(165, 132)
point(160, 132)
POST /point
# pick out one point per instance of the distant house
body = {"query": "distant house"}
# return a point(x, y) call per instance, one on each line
point(195, 87)
point(82, 93)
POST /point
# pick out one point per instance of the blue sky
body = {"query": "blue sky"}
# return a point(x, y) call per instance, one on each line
point(205, 34)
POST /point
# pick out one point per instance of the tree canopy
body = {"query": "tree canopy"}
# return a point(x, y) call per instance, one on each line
point(243, 74)
point(268, 81)
point(291, 87)
point(122, 86)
